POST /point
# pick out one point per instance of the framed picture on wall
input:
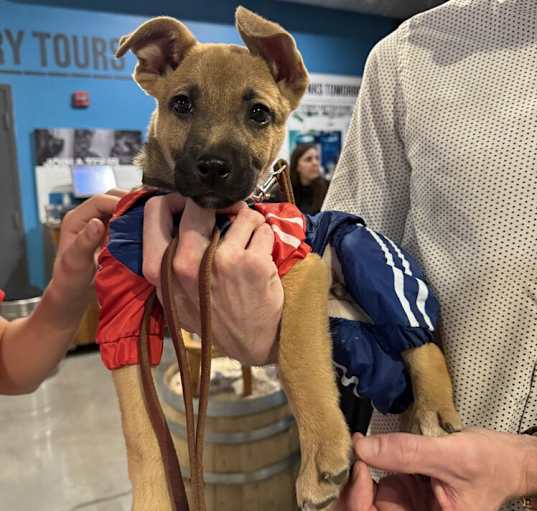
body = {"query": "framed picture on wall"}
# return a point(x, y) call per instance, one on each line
point(323, 118)
point(82, 146)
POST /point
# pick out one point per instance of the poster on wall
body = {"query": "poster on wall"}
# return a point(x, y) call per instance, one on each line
point(323, 117)
point(65, 152)
point(65, 146)
point(55, 190)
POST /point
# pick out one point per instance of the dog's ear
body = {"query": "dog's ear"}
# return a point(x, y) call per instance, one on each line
point(277, 46)
point(160, 44)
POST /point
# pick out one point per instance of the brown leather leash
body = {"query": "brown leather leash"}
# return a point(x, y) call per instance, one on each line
point(195, 432)
point(284, 180)
point(175, 485)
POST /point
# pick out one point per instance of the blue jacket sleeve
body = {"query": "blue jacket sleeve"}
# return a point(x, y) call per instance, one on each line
point(364, 369)
point(389, 286)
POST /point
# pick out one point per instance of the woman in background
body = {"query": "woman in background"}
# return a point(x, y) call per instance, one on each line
point(309, 187)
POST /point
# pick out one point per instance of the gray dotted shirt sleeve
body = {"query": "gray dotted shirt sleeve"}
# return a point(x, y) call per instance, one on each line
point(373, 173)
point(441, 156)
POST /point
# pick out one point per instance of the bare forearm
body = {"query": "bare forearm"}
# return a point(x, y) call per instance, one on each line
point(531, 463)
point(30, 348)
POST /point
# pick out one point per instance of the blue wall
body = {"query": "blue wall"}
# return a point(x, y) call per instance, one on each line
point(41, 85)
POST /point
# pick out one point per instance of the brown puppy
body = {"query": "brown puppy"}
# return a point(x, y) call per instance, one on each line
point(218, 126)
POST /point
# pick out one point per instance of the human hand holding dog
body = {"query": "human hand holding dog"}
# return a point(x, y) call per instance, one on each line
point(247, 294)
point(475, 469)
point(31, 347)
point(81, 233)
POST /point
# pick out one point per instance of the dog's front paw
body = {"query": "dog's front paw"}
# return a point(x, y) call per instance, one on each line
point(432, 421)
point(326, 460)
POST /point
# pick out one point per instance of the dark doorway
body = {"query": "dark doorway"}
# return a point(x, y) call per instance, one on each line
point(13, 269)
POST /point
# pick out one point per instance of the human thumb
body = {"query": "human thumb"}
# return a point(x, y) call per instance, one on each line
point(404, 453)
point(87, 241)
point(76, 265)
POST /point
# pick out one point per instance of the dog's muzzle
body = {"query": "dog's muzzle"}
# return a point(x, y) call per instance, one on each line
point(213, 180)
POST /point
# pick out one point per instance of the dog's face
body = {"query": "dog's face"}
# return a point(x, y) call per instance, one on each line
point(220, 119)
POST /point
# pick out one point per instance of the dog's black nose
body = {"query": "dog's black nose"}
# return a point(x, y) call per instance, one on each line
point(213, 170)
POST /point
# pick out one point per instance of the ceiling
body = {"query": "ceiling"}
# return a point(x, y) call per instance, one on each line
point(392, 8)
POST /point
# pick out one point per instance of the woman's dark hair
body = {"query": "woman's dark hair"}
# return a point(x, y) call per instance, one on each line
point(318, 187)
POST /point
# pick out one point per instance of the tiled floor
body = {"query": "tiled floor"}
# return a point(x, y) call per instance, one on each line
point(61, 448)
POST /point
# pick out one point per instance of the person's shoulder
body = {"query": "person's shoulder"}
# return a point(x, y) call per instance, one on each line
point(424, 28)
point(397, 39)
point(437, 24)
point(386, 53)
point(388, 47)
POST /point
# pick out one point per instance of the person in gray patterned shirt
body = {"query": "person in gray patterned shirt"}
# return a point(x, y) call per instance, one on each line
point(441, 157)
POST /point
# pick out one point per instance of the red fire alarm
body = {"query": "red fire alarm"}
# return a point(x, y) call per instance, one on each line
point(80, 99)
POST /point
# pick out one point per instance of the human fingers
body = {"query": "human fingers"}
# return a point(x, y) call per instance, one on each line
point(117, 192)
point(99, 206)
point(75, 267)
point(158, 231)
point(442, 499)
point(403, 492)
point(262, 241)
point(359, 492)
point(242, 229)
point(361, 496)
point(195, 231)
point(362, 492)
point(409, 454)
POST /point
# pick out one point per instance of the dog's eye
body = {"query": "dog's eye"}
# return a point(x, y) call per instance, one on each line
point(260, 114)
point(181, 105)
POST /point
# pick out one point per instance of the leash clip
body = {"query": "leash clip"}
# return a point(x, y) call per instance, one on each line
point(262, 191)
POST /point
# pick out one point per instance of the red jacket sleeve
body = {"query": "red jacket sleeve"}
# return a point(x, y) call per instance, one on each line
point(123, 296)
point(122, 290)
point(289, 226)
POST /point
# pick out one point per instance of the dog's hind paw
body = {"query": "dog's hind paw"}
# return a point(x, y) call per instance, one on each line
point(433, 422)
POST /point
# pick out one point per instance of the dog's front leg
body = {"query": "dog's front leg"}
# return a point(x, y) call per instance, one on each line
point(146, 471)
point(433, 412)
point(307, 374)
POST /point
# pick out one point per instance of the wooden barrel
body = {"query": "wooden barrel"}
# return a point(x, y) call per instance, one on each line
point(251, 447)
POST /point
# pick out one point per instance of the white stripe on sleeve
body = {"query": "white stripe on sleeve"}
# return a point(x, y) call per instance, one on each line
point(423, 290)
point(398, 280)
point(286, 238)
point(295, 219)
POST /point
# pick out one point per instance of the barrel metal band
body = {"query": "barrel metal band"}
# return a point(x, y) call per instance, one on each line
point(247, 477)
point(238, 437)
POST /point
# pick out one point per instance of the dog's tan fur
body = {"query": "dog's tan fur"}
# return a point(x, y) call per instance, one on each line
point(433, 412)
point(203, 65)
point(146, 470)
point(170, 61)
point(307, 375)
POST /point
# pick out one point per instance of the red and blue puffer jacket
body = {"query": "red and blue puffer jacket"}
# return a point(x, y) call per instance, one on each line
point(382, 279)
